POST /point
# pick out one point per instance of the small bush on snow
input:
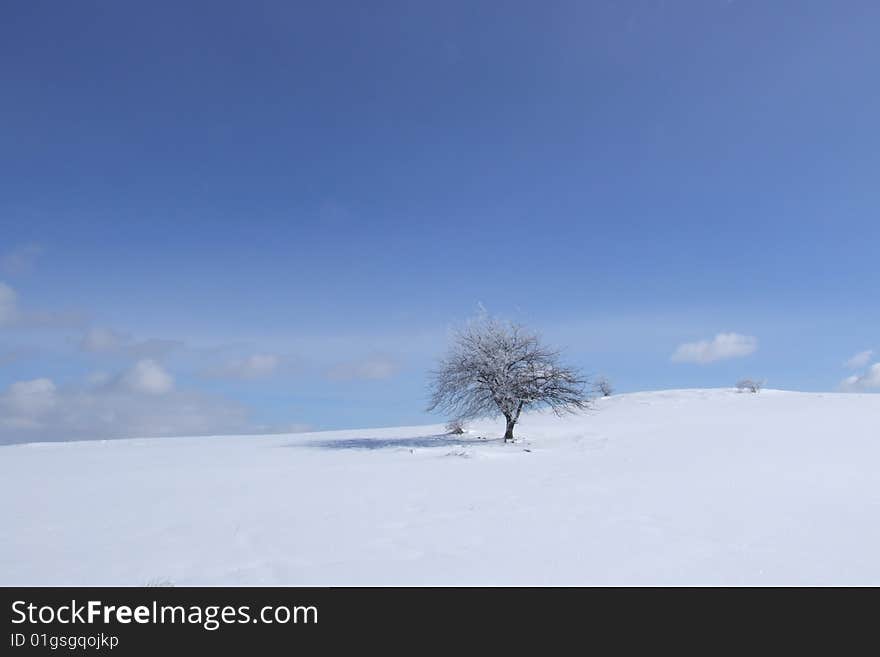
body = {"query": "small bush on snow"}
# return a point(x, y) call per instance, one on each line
point(159, 582)
point(749, 385)
point(603, 387)
point(456, 426)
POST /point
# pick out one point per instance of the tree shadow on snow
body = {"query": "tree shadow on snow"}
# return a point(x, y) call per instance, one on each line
point(442, 440)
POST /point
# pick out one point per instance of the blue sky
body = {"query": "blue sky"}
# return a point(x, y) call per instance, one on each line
point(228, 216)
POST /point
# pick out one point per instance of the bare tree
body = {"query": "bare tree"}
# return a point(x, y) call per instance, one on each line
point(603, 387)
point(500, 368)
point(749, 385)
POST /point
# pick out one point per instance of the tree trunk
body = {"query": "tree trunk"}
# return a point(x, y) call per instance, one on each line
point(508, 432)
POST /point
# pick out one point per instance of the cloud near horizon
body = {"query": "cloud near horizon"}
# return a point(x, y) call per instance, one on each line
point(139, 402)
point(723, 346)
point(860, 360)
point(148, 377)
point(868, 380)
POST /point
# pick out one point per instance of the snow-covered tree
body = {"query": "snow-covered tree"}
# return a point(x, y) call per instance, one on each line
point(749, 385)
point(500, 368)
point(603, 386)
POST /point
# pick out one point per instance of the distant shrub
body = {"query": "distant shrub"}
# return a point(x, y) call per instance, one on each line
point(603, 387)
point(456, 427)
point(159, 582)
point(749, 385)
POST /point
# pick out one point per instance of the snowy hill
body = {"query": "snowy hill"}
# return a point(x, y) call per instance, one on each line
point(673, 487)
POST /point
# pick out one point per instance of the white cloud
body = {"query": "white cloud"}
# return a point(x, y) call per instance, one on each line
point(256, 366)
point(12, 315)
point(148, 377)
point(20, 259)
point(869, 380)
point(371, 369)
point(861, 359)
point(38, 410)
point(98, 340)
point(722, 347)
point(8, 305)
point(31, 398)
point(98, 378)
